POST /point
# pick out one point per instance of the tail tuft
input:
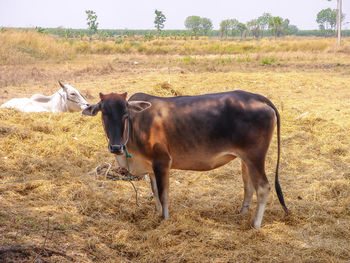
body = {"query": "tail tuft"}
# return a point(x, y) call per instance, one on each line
point(280, 195)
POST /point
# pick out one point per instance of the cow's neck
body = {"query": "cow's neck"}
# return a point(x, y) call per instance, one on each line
point(130, 130)
point(137, 163)
point(58, 102)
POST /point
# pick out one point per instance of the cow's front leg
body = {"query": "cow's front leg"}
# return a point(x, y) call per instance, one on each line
point(161, 166)
point(158, 206)
point(161, 172)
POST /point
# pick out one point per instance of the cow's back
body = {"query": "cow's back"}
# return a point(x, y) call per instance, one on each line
point(24, 105)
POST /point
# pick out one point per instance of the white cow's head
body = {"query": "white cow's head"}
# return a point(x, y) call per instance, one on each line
point(75, 101)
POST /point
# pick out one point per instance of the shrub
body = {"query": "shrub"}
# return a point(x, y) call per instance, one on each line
point(82, 47)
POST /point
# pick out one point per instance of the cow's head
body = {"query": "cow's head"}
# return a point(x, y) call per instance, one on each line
point(75, 101)
point(115, 115)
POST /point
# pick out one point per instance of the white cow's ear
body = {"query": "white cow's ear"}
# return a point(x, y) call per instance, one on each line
point(62, 86)
point(138, 106)
point(91, 110)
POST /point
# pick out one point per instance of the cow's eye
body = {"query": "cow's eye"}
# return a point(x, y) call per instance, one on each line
point(72, 94)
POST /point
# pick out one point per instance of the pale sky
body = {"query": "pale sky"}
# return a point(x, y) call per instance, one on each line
point(139, 14)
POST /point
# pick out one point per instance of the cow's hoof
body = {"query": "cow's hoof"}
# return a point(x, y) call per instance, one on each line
point(243, 210)
point(256, 225)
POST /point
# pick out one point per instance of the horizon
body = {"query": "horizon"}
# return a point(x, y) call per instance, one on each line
point(118, 15)
point(139, 29)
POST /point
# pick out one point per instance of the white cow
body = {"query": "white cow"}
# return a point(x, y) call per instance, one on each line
point(66, 99)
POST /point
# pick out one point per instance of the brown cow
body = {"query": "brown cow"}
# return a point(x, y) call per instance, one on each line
point(197, 133)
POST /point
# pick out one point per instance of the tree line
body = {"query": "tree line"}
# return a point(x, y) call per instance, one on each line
point(149, 34)
point(264, 25)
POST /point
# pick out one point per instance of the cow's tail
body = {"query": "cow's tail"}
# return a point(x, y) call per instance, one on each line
point(277, 184)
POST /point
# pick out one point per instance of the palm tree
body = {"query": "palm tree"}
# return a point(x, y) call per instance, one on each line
point(275, 25)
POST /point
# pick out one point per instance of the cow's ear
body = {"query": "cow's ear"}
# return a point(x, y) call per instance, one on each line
point(138, 106)
point(62, 86)
point(92, 110)
point(102, 96)
point(124, 95)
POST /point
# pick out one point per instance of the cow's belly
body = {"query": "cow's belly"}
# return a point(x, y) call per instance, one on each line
point(195, 161)
point(33, 107)
point(138, 166)
point(201, 162)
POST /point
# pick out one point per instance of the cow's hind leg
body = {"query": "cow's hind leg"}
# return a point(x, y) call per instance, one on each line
point(158, 206)
point(248, 189)
point(259, 180)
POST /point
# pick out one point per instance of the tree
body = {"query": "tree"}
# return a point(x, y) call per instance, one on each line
point(264, 21)
point(275, 25)
point(285, 27)
point(224, 27)
point(193, 23)
point(229, 24)
point(254, 27)
point(198, 24)
point(327, 20)
point(233, 26)
point(241, 28)
point(159, 20)
point(91, 20)
point(292, 29)
point(206, 25)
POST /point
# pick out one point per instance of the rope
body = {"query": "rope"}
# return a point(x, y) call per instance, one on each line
point(16, 181)
point(22, 180)
point(77, 102)
point(136, 198)
point(125, 178)
point(127, 156)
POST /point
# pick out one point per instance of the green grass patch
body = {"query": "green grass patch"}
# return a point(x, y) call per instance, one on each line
point(268, 61)
point(190, 59)
point(223, 60)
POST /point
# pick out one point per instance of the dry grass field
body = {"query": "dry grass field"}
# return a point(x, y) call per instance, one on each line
point(55, 208)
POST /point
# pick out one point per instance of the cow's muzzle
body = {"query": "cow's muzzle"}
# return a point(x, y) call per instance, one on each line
point(116, 149)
